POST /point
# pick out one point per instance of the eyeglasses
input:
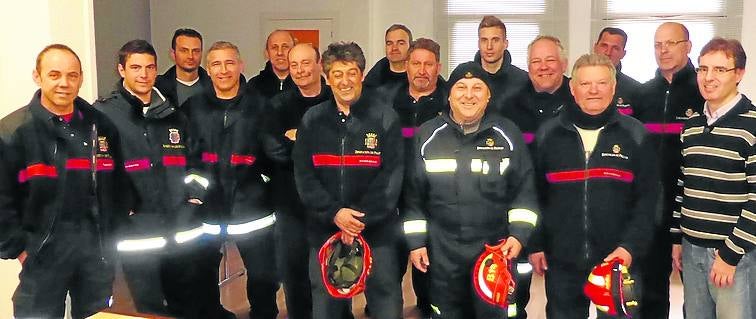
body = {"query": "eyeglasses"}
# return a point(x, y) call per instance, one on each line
point(717, 70)
point(667, 44)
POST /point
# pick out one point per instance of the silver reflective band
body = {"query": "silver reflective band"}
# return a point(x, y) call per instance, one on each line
point(522, 215)
point(512, 310)
point(196, 178)
point(141, 244)
point(211, 229)
point(415, 226)
point(187, 235)
point(251, 226)
point(444, 165)
point(524, 268)
point(480, 166)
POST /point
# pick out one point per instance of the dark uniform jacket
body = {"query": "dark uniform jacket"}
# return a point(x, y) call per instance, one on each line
point(166, 83)
point(506, 83)
point(154, 147)
point(626, 93)
point(353, 161)
point(230, 148)
point(479, 185)
point(47, 176)
point(529, 109)
point(663, 109)
point(285, 112)
point(381, 74)
point(267, 83)
point(590, 207)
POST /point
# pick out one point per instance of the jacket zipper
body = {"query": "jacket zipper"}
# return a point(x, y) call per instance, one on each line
point(585, 197)
point(94, 191)
point(55, 215)
point(341, 169)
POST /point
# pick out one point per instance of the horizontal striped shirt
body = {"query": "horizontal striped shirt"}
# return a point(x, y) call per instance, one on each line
point(717, 190)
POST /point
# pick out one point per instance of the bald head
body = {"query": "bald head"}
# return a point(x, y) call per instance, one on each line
point(277, 48)
point(304, 67)
point(671, 48)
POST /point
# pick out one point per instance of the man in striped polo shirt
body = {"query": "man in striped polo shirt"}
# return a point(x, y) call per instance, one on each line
point(714, 227)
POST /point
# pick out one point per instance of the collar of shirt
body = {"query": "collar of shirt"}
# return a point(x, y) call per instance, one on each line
point(713, 117)
point(188, 83)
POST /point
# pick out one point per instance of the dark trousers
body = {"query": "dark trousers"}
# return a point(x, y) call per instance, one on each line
point(70, 262)
point(141, 270)
point(383, 284)
point(564, 292)
point(420, 280)
point(257, 250)
point(451, 264)
point(656, 268)
point(292, 252)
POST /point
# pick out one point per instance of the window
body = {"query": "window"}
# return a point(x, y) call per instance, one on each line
point(525, 19)
point(640, 18)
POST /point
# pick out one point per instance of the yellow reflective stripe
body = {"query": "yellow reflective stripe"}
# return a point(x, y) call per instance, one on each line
point(523, 215)
point(187, 235)
point(141, 244)
point(211, 229)
point(512, 310)
point(479, 166)
point(254, 225)
point(197, 178)
point(444, 165)
point(503, 165)
point(415, 226)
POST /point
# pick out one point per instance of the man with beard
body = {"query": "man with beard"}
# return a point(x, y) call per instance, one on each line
point(391, 68)
point(274, 78)
point(286, 111)
point(186, 78)
point(507, 80)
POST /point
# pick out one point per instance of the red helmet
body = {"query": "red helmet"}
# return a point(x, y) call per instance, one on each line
point(492, 277)
point(344, 268)
point(610, 288)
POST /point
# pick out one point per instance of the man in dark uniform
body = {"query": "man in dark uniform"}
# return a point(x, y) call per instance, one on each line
point(507, 80)
point(611, 43)
point(186, 78)
point(225, 122)
point(274, 78)
point(59, 169)
point(666, 102)
point(418, 100)
point(598, 185)
point(154, 147)
point(286, 111)
point(391, 68)
point(471, 183)
point(348, 167)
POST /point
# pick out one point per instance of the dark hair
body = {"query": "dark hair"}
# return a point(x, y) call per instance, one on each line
point(56, 46)
point(614, 31)
point(402, 27)
point(426, 44)
point(135, 46)
point(187, 33)
point(490, 22)
point(730, 47)
point(344, 52)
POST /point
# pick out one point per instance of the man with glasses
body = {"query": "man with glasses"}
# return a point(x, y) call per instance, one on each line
point(667, 101)
point(715, 217)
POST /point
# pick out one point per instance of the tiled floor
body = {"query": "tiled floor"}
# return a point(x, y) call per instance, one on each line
point(234, 298)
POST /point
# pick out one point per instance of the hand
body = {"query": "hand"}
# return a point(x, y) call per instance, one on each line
point(677, 257)
point(511, 248)
point(419, 258)
point(538, 261)
point(347, 239)
point(722, 274)
point(22, 257)
point(195, 201)
point(621, 253)
point(346, 220)
point(291, 134)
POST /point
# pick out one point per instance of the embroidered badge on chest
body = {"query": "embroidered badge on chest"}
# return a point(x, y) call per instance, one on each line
point(102, 143)
point(174, 136)
point(371, 141)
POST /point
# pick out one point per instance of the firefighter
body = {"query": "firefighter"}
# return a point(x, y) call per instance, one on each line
point(348, 168)
point(231, 150)
point(598, 186)
point(154, 146)
point(471, 183)
point(59, 169)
